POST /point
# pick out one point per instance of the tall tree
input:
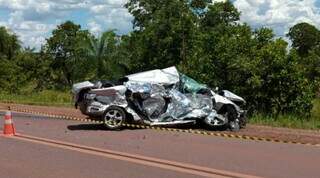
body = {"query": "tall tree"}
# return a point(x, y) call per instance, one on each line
point(102, 51)
point(65, 48)
point(9, 44)
point(304, 37)
point(9, 48)
point(221, 13)
point(306, 41)
point(219, 45)
point(163, 32)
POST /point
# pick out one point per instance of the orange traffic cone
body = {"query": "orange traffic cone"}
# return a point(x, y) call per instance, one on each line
point(8, 129)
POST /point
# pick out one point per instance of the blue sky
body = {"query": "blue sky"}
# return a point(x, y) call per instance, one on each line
point(33, 20)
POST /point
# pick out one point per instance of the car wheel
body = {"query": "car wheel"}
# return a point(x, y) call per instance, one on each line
point(231, 114)
point(234, 126)
point(83, 108)
point(114, 118)
point(243, 122)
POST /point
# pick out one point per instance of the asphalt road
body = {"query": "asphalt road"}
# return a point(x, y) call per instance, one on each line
point(27, 159)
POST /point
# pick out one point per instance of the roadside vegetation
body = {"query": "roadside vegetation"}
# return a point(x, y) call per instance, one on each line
point(290, 121)
point(205, 41)
point(42, 98)
point(315, 113)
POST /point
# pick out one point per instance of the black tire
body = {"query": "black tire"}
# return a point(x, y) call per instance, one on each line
point(83, 108)
point(81, 102)
point(243, 122)
point(233, 122)
point(114, 118)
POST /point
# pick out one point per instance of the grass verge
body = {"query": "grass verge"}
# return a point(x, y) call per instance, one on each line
point(289, 121)
point(43, 98)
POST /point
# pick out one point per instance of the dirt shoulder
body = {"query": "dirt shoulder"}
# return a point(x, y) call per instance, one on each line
point(285, 134)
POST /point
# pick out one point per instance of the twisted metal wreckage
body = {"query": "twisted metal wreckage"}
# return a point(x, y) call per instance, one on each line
point(159, 97)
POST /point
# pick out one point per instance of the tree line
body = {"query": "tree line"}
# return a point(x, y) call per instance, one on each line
point(205, 41)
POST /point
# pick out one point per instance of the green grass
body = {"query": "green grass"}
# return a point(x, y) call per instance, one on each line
point(290, 121)
point(45, 98)
point(316, 109)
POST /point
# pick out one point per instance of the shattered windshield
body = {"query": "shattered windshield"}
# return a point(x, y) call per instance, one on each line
point(189, 85)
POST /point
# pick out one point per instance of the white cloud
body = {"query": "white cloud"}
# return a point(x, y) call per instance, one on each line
point(94, 27)
point(278, 14)
point(33, 20)
point(98, 8)
point(43, 4)
point(112, 15)
point(32, 33)
point(118, 19)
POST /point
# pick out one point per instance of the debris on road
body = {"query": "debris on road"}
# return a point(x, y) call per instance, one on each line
point(159, 97)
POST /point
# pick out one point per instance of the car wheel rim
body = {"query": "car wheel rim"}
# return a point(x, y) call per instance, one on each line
point(113, 118)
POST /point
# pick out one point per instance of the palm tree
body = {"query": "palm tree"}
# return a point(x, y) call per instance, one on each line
point(102, 51)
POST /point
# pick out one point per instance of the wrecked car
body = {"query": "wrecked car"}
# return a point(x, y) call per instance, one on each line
point(161, 97)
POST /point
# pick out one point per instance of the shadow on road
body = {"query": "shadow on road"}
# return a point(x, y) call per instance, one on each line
point(102, 127)
point(87, 127)
point(95, 127)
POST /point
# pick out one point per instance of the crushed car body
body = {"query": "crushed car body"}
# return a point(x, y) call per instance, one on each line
point(160, 97)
